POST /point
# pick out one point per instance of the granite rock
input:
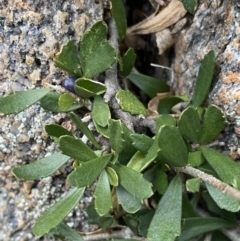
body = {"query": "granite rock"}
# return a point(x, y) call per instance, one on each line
point(31, 34)
point(215, 26)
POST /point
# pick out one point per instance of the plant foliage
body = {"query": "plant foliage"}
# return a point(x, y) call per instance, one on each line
point(137, 167)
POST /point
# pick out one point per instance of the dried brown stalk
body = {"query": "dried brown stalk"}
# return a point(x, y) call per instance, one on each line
point(155, 23)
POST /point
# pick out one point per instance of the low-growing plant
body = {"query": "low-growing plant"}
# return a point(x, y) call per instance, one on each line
point(139, 176)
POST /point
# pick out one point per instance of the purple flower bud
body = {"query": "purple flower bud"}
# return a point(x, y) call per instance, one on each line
point(68, 83)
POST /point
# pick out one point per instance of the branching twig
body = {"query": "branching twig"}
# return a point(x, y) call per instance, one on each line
point(112, 84)
point(225, 188)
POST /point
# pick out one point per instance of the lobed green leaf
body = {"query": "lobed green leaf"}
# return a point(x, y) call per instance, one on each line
point(213, 123)
point(96, 54)
point(189, 124)
point(173, 150)
point(67, 59)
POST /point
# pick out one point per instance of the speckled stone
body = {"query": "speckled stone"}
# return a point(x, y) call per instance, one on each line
point(215, 26)
point(31, 34)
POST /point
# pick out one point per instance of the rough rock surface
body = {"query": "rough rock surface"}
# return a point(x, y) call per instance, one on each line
point(31, 34)
point(216, 25)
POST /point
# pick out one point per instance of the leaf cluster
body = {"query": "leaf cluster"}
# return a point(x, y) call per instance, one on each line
point(139, 170)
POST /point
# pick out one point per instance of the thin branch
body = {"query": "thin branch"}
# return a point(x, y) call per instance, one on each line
point(225, 188)
point(112, 84)
point(124, 233)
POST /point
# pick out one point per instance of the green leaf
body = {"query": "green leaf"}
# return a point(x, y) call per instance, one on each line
point(204, 79)
point(131, 221)
point(149, 85)
point(102, 194)
point(41, 168)
point(118, 13)
point(166, 104)
point(129, 203)
point(152, 154)
point(84, 129)
point(193, 227)
point(189, 124)
point(165, 120)
point(56, 130)
point(128, 61)
point(87, 172)
point(53, 216)
point(132, 180)
point(112, 176)
point(193, 185)
point(188, 208)
point(130, 103)
point(87, 88)
point(67, 59)
point(213, 123)
point(195, 159)
point(223, 200)
point(50, 102)
point(65, 101)
point(189, 5)
point(160, 181)
point(100, 112)
point(106, 222)
point(173, 150)
point(136, 161)
point(142, 142)
point(166, 222)
point(144, 222)
point(76, 148)
point(116, 135)
point(227, 169)
point(102, 130)
point(20, 100)
point(128, 149)
point(67, 232)
point(96, 54)
point(214, 208)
